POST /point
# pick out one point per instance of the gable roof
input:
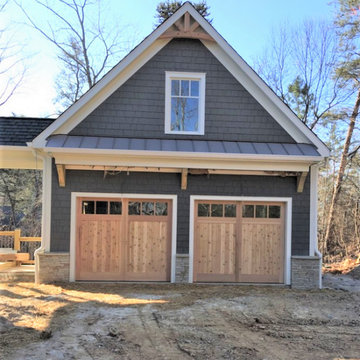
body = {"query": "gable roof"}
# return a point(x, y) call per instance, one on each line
point(151, 45)
point(17, 131)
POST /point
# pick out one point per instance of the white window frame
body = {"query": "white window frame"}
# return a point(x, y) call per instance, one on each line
point(175, 75)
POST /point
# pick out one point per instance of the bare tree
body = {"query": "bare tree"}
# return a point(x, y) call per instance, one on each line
point(299, 66)
point(317, 78)
point(348, 26)
point(10, 63)
point(87, 47)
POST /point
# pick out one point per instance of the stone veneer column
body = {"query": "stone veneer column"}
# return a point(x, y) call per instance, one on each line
point(182, 268)
point(305, 272)
point(53, 267)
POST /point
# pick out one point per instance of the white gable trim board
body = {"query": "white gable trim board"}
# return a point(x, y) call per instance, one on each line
point(147, 49)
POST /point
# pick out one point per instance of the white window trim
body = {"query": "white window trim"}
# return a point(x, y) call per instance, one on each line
point(76, 195)
point(288, 220)
point(175, 75)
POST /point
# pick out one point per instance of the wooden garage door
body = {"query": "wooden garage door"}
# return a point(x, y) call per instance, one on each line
point(239, 242)
point(123, 239)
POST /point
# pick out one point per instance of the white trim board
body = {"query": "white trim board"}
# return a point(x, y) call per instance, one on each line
point(182, 154)
point(19, 157)
point(288, 224)
point(314, 171)
point(75, 195)
point(148, 48)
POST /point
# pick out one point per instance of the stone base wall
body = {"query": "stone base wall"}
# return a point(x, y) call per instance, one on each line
point(52, 267)
point(305, 272)
point(182, 268)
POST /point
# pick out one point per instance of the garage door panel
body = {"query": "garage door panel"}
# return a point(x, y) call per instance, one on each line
point(244, 246)
point(215, 250)
point(116, 246)
point(148, 248)
point(261, 250)
point(98, 247)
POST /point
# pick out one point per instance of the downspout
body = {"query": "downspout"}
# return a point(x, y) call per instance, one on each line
point(46, 209)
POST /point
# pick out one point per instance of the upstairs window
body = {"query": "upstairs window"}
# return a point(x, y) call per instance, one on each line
point(184, 103)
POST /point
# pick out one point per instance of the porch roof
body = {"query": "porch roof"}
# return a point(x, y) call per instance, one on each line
point(180, 145)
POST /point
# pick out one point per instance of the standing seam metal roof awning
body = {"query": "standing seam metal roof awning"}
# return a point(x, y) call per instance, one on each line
point(178, 145)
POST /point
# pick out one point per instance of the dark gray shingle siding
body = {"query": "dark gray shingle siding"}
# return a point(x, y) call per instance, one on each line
point(136, 109)
point(161, 183)
point(18, 131)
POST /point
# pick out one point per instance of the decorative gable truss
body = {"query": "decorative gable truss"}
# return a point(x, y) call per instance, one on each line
point(186, 27)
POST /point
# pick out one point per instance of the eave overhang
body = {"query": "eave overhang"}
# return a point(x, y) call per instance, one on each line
point(19, 157)
point(178, 159)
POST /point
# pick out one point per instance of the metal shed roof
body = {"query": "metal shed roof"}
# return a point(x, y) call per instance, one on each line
point(196, 146)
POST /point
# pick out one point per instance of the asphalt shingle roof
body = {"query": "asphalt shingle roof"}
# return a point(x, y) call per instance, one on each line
point(18, 131)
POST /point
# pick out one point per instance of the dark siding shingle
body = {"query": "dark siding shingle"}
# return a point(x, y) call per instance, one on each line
point(162, 183)
point(136, 109)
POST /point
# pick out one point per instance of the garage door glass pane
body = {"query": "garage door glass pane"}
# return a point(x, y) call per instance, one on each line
point(101, 207)
point(261, 211)
point(230, 210)
point(115, 207)
point(134, 208)
point(204, 210)
point(216, 210)
point(161, 209)
point(274, 212)
point(88, 207)
point(147, 208)
point(248, 211)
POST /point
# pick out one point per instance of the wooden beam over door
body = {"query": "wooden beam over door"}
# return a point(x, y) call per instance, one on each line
point(61, 170)
point(184, 176)
point(180, 170)
point(301, 181)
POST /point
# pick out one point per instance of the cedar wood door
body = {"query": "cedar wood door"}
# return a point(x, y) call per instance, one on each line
point(123, 239)
point(239, 242)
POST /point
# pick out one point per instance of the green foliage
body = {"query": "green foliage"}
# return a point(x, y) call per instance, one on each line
point(348, 26)
point(300, 98)
point(166, 8)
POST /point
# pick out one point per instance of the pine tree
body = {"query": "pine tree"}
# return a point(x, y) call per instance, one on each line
point(166, 8)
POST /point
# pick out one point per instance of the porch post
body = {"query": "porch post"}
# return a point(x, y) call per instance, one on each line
point(46, 212)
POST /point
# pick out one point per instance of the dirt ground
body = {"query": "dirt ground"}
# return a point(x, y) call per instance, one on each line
point(144, 321)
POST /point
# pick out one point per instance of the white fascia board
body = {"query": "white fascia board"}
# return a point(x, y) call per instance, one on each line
point(180, 162)
point(183, 154)
point(19, 157)
point(111, 81)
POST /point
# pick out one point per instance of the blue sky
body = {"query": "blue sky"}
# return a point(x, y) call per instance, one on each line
point(245, 24)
